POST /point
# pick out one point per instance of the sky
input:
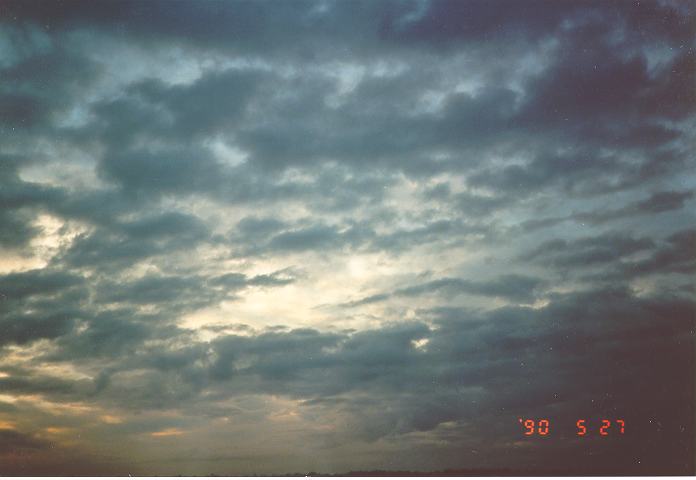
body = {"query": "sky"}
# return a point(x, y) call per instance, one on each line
point(273, 237)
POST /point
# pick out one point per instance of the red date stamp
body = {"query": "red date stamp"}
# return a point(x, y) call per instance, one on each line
point(542, 427)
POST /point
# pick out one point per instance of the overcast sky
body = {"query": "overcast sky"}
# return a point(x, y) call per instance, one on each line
point(274, 237)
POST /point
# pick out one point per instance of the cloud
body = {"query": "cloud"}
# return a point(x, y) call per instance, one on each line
point(13, 441)
point(16, 286)
point(656, 203)
point(588, 251)
point(511, 287)
point(492, 199)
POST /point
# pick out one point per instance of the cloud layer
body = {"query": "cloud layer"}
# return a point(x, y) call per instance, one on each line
point(260, 237)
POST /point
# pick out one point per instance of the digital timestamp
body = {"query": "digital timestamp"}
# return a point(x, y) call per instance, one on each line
point(603, 428)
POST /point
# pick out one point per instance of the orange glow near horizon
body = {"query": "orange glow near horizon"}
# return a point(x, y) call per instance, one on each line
point(168, 432)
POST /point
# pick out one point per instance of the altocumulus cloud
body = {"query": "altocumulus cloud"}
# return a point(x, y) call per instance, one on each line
point(267, 237)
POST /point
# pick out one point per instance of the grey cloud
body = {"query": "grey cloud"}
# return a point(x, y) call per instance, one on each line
point(431, 230)
point(378, 137)
point(518, 288)
point(574, 170)
point(25, 328)
point(512, 358)
point(155, 290)
point(664, 201)
point(166, 171)
point(122, 243)
point(151, 109)
point(189, 292)
point(240, 280)
point(19, 202)
point(215, 102)
point(315, 237)
point(270, 235)
point(40, 85)
point(612, 254)
point(675, 254)
point(38, 304)
point(588, 251)
point(608, 85)
point(15, 229)
point(259, 226)
point(469, 204)
point(108, 334)
point(273, 351)
point(467, 351)
point(37, 384)
point(279, 278)
point(12, 441)
point(394, 129)
point(114, 326)
point(15, 286)
point(166, 225)
point(657, 203)
point(240, 27)
point(350, 235)
point(450, 23)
